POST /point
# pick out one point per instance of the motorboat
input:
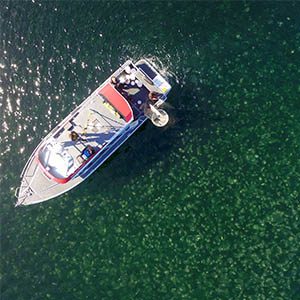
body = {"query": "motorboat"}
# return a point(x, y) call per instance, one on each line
point(93, 131)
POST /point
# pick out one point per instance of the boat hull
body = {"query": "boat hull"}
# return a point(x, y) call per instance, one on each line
point(38, 184)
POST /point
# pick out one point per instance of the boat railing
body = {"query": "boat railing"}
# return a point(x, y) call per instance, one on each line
point(26, 186)
point(31, 157)
point(23, 197)
point(17, 191)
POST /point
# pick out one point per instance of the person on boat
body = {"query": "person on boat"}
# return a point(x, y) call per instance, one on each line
point(152, 99)
point(75, 137)
point(87, 152)
point(114, 80)
point(153, 96)
point(120, 85)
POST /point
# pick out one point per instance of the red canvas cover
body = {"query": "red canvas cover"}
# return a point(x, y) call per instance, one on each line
point(117, 101)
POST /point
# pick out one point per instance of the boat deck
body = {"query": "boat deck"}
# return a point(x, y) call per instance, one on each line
point(96, 123)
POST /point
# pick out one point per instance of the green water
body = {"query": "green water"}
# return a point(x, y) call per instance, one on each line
point(207, 208)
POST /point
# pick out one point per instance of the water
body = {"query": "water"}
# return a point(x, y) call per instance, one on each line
point(207, 208)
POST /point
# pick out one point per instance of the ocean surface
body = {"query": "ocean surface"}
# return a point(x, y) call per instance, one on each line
point(205, 208)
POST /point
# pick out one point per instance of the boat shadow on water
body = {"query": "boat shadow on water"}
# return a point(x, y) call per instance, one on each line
point(189, 109)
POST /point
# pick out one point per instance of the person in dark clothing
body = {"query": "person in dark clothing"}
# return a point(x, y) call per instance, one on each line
point(114, 80)
point(154, 96)
point(120, 87)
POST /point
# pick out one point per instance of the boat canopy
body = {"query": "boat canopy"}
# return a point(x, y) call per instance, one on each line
point(117, 101)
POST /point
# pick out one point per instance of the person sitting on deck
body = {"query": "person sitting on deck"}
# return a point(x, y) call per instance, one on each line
point(114, 80)
point(120, 86)
point(87, 152)
point(75, 137)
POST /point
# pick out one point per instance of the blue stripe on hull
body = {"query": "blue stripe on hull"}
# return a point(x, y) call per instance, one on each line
point(111, 148)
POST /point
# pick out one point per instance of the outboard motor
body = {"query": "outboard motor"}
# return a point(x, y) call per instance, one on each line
point(158, 116)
